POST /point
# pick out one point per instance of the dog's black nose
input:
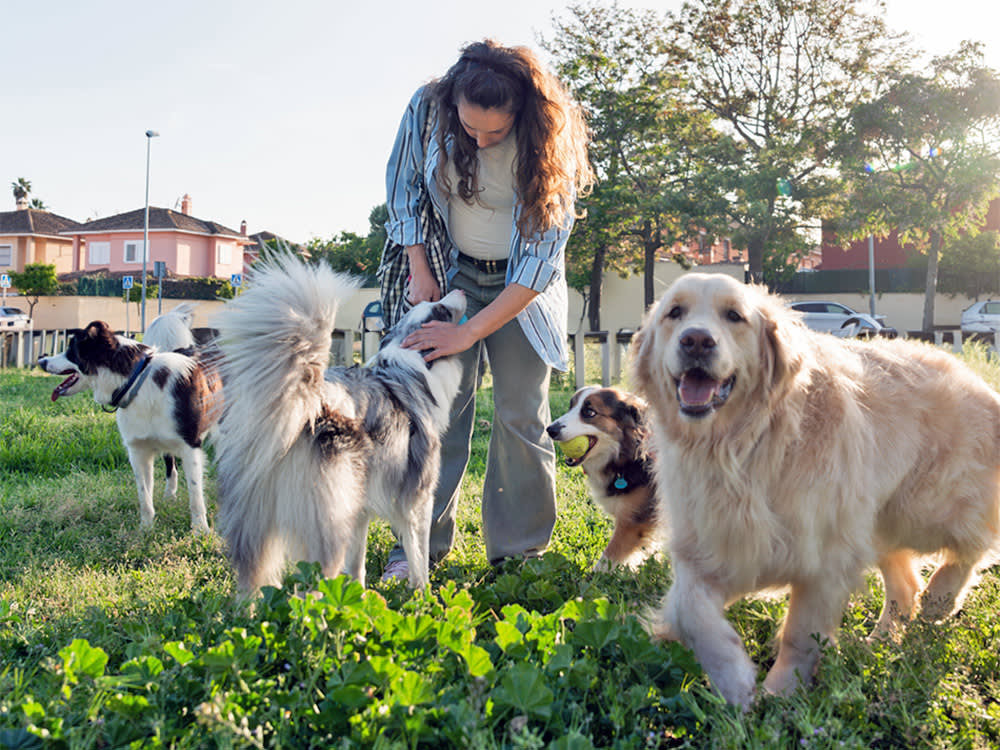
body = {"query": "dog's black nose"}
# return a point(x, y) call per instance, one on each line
point(697, 342)
point(553, 430)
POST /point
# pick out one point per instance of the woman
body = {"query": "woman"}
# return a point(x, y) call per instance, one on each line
point(500, 149)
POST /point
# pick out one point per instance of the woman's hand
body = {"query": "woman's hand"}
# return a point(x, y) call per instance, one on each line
point(439, 338)
point(421, 286)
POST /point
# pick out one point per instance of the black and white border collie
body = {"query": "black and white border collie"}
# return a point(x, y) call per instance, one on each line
point(618, 467)
point(307, 455)
point(164, 401)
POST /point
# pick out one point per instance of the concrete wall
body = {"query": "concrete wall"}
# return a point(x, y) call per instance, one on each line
point(76, 312)
point(622, 305)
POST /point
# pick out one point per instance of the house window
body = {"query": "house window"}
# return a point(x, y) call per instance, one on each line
point(6, 255)
point(224, 254)
point(133, 251)
point(99, 252)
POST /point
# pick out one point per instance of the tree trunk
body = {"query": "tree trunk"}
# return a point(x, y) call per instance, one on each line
point(930, 289)
point(596, 276)
point(650, 244)
point(755, 256)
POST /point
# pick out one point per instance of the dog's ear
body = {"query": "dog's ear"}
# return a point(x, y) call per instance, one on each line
point(629, 410)
point(97, 330)
point(780, 346)
point(94, 345)
point(640, 353)
point(631, 417)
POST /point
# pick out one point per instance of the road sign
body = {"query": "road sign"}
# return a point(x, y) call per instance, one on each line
point(5, 280)
point(126, 282)
point(236, 280)
point(159, 269)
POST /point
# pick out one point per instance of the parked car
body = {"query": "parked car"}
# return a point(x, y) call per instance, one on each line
point(842, 321)
point(982, 317)
point(13, 316)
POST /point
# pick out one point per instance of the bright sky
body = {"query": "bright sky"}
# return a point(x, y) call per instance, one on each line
point(281, 114)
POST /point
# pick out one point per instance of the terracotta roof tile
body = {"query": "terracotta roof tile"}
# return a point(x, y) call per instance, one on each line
point(34, 221)
point(159, 218)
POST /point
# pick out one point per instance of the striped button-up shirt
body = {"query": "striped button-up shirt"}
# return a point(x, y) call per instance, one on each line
point(536, 262)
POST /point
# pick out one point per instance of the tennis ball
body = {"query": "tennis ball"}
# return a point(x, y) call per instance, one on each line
point(576, 447)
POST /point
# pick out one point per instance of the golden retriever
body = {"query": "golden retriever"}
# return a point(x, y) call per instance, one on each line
point(799, 460)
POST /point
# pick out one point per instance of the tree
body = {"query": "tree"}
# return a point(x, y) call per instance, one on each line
point(134, 293)
point(21, 188)
point(924, 158)
point(350, 252)
point(970, 265)
point(616, 64)
point(39, 204)
point(780, 76)
point(37, 280)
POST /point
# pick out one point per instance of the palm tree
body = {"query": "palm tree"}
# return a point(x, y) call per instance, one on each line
point(21, 188)
point(39, 204)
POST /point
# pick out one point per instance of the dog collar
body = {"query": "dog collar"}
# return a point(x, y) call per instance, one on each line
point(124, 393)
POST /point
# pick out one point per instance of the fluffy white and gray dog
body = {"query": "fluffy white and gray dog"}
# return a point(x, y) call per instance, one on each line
point(172, 330)
point(307, 455)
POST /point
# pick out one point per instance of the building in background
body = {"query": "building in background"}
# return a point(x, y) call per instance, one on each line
point(189, 246)
point(31, 235)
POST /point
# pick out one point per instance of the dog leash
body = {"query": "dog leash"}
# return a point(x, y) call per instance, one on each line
point(130, 387)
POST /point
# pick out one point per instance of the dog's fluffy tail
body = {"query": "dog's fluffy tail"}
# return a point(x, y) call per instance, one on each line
point(185, 311)
point(274, 340)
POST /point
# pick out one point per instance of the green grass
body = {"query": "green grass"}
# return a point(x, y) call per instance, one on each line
point(110, 637)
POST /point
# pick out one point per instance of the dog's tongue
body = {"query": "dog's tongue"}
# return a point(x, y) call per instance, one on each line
point(697, 388)
point(61, 389)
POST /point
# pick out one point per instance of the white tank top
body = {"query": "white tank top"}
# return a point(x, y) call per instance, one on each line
point(483, 229)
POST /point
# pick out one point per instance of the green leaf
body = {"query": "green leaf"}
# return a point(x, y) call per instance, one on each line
point(220, 658)
point(508, 636)
point(416, 628)
point(596, 633)
point(80, 658)
point(572, 741)
point(19, 739)
point(342, 592)
point(179, 650)
point(523, 689)
point(411, 689)
point(478, 661)
point(128, 704)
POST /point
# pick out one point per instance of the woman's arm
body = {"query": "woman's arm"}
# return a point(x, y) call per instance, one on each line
point(439, 339)
point(404, 176)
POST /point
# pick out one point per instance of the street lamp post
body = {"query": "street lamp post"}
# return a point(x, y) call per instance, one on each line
point(871, 274)
point(150, 135)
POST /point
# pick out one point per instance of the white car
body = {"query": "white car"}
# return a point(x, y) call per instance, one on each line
point(13, 316)
point(840, 320)
point(981, 317)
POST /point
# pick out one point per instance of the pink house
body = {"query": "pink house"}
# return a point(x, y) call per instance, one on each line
point(187, 245)
point(31, 235)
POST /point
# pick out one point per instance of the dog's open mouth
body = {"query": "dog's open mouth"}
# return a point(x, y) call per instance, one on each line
point(68, 383)
point(699, 394)
point(577, 460)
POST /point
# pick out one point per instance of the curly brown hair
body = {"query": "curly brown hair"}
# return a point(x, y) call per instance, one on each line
point(552, 166)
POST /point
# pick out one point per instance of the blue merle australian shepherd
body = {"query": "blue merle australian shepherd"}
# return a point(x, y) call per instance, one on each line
point(307, 455)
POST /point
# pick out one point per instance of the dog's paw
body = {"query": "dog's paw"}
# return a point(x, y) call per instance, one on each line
point(605, 565)
point(660, 630)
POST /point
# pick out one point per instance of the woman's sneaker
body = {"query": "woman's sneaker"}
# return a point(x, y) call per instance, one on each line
point(396, 570)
